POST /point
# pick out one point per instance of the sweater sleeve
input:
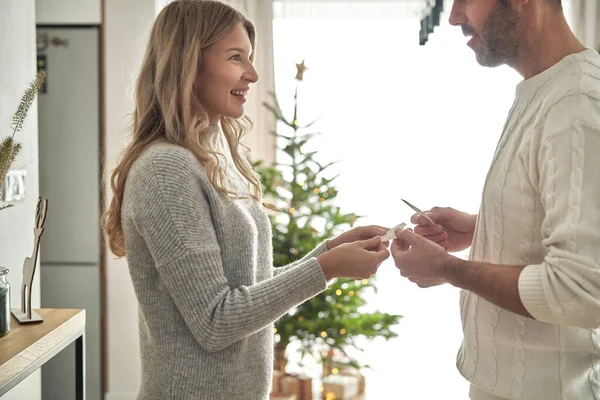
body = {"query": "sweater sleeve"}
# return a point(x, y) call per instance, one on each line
point(314, 253)
point(565, 288)
point(173, 217)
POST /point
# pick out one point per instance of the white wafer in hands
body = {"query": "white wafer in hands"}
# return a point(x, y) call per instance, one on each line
point(391, 233)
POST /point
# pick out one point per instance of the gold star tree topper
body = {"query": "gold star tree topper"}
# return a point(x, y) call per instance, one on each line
point(301, 69)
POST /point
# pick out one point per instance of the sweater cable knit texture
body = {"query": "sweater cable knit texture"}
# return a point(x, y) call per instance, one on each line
point(540, 208)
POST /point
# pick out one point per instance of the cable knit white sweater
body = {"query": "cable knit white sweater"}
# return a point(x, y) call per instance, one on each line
point(541, 208)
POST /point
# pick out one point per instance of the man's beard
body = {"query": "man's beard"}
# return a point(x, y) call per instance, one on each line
point(500, 38)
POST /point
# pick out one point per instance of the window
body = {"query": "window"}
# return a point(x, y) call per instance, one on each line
point(406, 121)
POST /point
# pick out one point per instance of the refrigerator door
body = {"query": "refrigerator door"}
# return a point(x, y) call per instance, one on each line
point(69, 140)
point(69, 159)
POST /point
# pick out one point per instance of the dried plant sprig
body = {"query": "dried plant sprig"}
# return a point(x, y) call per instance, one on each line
point(9, 149)
point(26, 101)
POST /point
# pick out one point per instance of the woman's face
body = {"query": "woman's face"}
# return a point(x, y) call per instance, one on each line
point(225, 75)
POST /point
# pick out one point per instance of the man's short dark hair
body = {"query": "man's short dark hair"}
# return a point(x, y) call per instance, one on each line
point(556, 4)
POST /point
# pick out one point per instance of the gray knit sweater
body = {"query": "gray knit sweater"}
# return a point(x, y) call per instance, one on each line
point(208, 295)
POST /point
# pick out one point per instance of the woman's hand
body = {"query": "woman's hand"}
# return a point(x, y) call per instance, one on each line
point(357, 260)
point(355, 234)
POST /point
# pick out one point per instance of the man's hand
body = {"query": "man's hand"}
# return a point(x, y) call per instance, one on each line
point(453, 230)
point(420, 260)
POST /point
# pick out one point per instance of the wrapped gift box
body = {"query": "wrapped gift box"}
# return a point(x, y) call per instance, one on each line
point(276, 383)
point(341, 386)
point(290, 384)
point(361, 378)
point(281, 396)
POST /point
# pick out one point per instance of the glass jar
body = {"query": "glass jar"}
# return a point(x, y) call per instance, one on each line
point(4, 302)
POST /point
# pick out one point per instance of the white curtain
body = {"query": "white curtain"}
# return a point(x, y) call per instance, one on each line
point(260, 141)
point(405, 9)
point(584, 18)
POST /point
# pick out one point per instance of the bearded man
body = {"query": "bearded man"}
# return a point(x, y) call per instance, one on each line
point(530, 291)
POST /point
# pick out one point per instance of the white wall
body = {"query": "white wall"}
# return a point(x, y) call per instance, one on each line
point(17, 70)
point(68, 12)
point(127, 26)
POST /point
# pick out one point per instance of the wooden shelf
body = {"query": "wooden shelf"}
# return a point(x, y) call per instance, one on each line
point(27, 347)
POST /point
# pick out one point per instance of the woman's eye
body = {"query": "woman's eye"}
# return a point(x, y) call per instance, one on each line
point(236, 57)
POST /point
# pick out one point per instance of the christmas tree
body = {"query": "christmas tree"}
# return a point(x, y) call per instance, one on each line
point(304, 196)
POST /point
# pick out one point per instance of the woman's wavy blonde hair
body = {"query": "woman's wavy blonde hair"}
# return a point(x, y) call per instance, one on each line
point(167, 107)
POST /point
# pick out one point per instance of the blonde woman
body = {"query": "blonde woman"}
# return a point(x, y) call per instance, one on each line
point(187, 214)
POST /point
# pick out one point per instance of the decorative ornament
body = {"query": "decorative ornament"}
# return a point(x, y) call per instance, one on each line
point(25, 314)
point(300, 76)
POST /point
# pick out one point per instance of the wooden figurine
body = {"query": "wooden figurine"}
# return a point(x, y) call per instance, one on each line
point(25, 314)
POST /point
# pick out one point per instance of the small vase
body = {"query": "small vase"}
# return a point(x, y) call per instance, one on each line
point(4, 303)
